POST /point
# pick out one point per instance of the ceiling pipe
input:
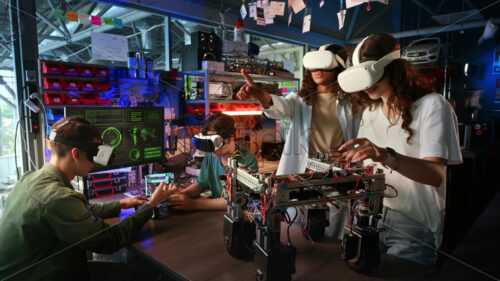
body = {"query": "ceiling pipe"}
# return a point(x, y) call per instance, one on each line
point(127, 18)
point(435, 30)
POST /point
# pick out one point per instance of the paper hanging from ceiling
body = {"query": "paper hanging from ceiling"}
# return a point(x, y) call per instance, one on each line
point(109, 46)
point(321, 3)
point(71, 16)
point(262, 3)
point(84, 19)
point(298, 5)
point(341, 18)
point(306, 25)
point(243, 11)
point(277, 8)
point(353, 3)
point(252, 9)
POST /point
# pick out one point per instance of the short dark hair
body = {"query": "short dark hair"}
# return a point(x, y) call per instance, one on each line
point(222, 124)
point(74, 128)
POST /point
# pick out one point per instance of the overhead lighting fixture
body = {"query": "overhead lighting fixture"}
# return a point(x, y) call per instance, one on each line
point(241, 113)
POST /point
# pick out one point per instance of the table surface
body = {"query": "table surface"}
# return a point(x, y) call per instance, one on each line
point(190, 245)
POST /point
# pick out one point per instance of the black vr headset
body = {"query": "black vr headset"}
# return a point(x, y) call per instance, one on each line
point(207, 143)
point(97, 153)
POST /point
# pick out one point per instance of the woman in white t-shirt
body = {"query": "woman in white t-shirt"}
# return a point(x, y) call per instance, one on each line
point(411, 134)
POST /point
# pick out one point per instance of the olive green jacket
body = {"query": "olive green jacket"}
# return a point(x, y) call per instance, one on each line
point(47, 227)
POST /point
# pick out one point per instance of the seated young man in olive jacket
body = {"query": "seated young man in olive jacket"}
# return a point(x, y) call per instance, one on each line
point(47, 226)
point(213, 166)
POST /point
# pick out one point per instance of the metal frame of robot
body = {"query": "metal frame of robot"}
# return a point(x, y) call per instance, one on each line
point(325, 179)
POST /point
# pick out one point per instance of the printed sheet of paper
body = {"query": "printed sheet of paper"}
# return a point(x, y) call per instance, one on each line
point(252, 8)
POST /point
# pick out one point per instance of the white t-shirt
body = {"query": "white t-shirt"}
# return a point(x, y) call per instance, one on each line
point(435, 134)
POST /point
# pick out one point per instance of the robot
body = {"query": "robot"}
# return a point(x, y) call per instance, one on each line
point(258, 202)
point(151, 183)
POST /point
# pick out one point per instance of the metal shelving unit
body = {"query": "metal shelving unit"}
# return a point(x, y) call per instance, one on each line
point(229, 77)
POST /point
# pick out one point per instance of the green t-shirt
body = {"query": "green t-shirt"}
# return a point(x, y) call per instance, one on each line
point(212, 168)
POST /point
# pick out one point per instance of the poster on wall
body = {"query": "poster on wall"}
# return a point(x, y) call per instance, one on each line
point(496, 63)
point(109, 46)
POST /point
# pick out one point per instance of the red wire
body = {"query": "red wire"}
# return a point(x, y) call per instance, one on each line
point(393, 188)
point(356, 187)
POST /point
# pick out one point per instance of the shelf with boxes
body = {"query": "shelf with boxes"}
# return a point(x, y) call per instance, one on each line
point(74, 84)
point(208, 92)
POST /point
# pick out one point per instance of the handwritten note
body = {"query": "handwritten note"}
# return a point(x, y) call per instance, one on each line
point(109, 46)
point(277, 8)
point(297, 5)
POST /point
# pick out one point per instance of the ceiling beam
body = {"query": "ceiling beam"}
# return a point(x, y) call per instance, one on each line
point(435, 30)
point(49, 23)
point(201, 11)
point(61, 22)
point(127, 18)
point(351, 24)
point(440, 5)
point(89, 12)
point(55, 38)
point(373, 18)
point(423, 7)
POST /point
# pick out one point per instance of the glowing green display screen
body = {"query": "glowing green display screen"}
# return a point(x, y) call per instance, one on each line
point(136, 134)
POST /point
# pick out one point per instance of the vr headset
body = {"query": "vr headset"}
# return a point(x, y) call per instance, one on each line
point(207, 143)
point(322, 59)
point(361, 76)
point(97, 153)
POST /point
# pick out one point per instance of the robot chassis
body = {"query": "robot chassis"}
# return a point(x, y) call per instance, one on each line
point(361, 189)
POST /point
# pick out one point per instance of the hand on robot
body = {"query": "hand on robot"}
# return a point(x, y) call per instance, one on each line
point(337, 158)
point(173, 188)
point(132, 202)
point(363, 149)
point(180, 201)
point(250, 89)
point(160, 194)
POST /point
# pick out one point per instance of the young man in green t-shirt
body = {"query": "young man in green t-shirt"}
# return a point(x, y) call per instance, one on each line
point(214, 166)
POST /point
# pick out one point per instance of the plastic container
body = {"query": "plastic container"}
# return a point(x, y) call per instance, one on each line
point(101, 72)
point(73, 85)
point(102, 85)
point(88, 85)
point(54, 99)
point(51, 68)
point(53, 83)
point(87, 71)
point(73, 70)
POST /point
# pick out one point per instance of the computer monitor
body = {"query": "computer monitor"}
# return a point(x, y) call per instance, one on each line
point(136, 134)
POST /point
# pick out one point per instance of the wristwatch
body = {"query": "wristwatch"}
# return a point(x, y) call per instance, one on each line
point(392, 160)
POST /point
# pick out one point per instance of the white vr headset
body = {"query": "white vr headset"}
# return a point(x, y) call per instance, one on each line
point(207, 143)
point(322, 59)
point(361, 76)
point(100, 154)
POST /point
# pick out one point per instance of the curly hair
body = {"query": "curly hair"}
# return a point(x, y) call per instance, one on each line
point(309, 87)
point(403, 80)
point(220, 123)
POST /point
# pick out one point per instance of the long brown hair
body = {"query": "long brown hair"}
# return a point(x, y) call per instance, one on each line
point(403, 80)
point(309, 87)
